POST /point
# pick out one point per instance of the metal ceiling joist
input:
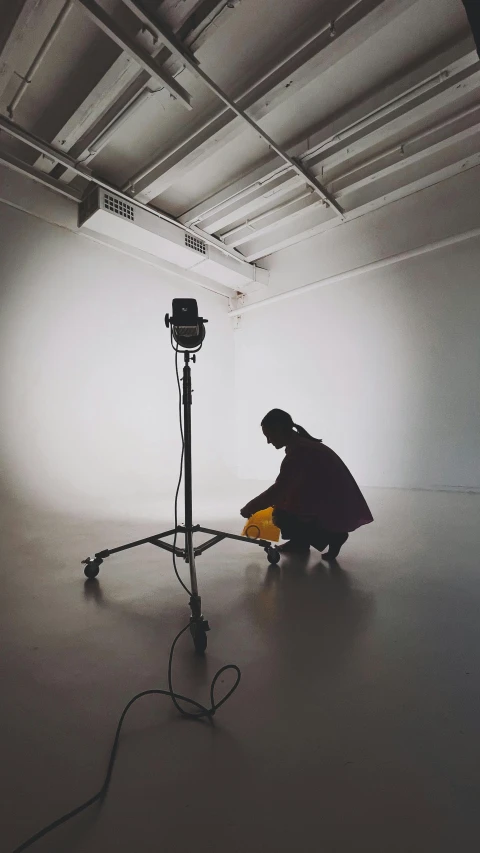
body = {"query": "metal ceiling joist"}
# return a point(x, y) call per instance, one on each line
point(49, 151)
point(122, 85)
point(75, 135)
point(206, 16)
point(398, 158)
point(410, 112)
point(180, 52)
point(261, 226)
point(144, 59)
point(355, 24)
point(242, 308)
point(38, 176)
point(23, 25)
point(422, 82)
point(257, 198)
point(426, 96)
point(266, 222)
point(361, 115)
point(259, 248)
point(57, 25)
point(234, 192)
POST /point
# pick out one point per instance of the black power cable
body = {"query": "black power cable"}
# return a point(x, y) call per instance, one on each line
point(202, 711)
point(182, 457)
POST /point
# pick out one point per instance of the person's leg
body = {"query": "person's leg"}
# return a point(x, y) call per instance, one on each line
point(335, 541)
point(319, 538)
point(293, 529)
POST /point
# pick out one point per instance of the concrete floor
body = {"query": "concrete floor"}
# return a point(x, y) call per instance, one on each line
point(355, 726)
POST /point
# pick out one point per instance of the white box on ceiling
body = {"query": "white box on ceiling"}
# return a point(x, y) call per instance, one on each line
point(115, 217)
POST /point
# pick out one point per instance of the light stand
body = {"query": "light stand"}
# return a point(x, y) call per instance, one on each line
point(188, 333)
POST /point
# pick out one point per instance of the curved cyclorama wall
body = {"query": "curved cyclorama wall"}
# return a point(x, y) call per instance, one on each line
point(89, 411)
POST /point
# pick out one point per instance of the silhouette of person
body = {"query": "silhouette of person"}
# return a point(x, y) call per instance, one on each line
point(316, 500)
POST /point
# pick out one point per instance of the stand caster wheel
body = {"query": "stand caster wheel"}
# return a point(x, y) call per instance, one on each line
point(92, 568)
point(273, 556)
point(199, 636)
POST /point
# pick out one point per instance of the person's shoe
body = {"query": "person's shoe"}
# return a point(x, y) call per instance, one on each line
point(294, 547)
point(335, 546)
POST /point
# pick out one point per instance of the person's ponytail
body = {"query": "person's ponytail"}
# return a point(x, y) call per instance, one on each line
point(304, 434)
point(279, 418)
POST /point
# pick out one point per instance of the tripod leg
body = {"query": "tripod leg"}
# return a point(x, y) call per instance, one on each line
point(198, 625)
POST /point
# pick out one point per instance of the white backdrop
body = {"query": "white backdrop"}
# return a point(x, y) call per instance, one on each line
point(88, 419)
point(385, 368)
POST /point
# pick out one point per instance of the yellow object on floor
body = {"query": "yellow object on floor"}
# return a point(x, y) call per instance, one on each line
point(261, 526)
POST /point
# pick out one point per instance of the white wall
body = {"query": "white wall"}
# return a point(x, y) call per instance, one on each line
point(384, 367)
point(88, 419)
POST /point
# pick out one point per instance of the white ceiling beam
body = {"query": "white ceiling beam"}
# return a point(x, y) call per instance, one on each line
point(268, 221)
point(177, 49)
point(372, 112)
point(33, 141)
point(193, 65)
point(40, 177)
point(74, 135)
point(238, 190)
point(249, 306)
point(206, 17)
point(118, 89)
point(23, 26)
point(392, 95)
point(40, 56)
point(258, 197)
point(398, 158)
point(142, 57)
point(312, 225)
point(358, 23)
point(395, 121)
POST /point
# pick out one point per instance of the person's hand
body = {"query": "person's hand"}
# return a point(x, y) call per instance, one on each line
point(246, 512)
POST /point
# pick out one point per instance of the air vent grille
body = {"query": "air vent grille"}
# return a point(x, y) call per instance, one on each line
point(196, 244)
point(119, 207)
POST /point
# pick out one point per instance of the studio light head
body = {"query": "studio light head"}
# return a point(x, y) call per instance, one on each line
point(187, 328)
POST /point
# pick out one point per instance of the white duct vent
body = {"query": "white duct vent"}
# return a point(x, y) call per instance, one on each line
point(104, 212)
point(196, 244)
point(119, 207)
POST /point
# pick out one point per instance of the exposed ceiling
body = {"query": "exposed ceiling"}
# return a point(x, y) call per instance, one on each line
point(335, 107)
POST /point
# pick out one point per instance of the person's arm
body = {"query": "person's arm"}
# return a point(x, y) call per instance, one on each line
point(263, 501)
point(271, 496)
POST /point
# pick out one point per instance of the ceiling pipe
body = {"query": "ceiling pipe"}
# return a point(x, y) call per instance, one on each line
point(250, 223)
point(178, 50)
point(98, 14)
point(362, 270)
point(38, 59)
point(56, 156)
point(343, 135)
point(400, 147)
point(104, 137)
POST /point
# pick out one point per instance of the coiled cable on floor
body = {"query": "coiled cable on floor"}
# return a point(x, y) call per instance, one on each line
point(202, 712)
